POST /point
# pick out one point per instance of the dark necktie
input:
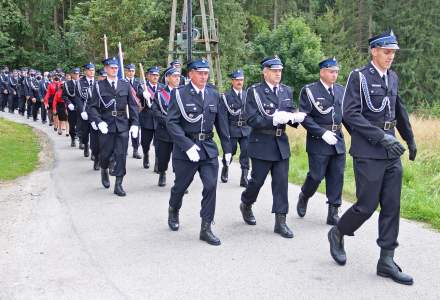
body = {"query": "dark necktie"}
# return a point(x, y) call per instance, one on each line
point(275, 90)
point(113, 85)
point(330, 91)
point(153, 88)
point(384, 78)
point(239, 95)
point(91, 83)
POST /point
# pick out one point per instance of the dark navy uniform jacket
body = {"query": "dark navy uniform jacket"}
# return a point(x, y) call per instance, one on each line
point(83, 94)
point(44, 83)
point(366, 109)
point(323, 110)
point(33, 90)
point(194, 105)
point(160, 110)
point(146, 117)
point(13, 85)
point(69, 92)
point(262, 145)
point(235, 107)
point(110, 105)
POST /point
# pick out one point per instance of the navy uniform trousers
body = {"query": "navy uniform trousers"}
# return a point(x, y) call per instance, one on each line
point(378, 174)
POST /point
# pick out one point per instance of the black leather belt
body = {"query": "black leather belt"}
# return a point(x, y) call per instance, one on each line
point(275, 132)
point(119, 113)
point(385, 125)
point(240, 123)
point(331, 127)
point(201, 136)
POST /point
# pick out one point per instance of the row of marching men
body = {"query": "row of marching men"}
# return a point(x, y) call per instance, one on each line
point(369, 106)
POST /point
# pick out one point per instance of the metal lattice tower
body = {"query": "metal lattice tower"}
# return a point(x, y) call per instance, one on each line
point(202, 40)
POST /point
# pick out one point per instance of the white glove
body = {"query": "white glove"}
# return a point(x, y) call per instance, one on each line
point(84, 116)
point(147, 97)
point(70, 106)
point(228, 157)
point(103, 127)
point(94, 126)
point(193, 153)
point(330, 137)
point(281, 117)
point(134, 131)
point(297, 117)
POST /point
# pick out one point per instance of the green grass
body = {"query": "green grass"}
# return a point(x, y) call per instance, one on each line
point(19, 148)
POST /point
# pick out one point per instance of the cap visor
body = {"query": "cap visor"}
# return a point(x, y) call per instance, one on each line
point(390, 46)
point(276, 67)
point(202, 70)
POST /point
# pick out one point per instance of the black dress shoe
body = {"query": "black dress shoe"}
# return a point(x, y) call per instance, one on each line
point(118, 187)
point(281, 227)
point(386, 267)
point(136, 154)
point(224, 174)
point(73, 143)
point(301, 206)
point(332, 216)
point(207, 235)
point(162, 179)
point(244, 178)
point(337, 251)
point(96, 165)
point(105, 178)
point(248, 215)
point(146, 162)
point(86, 151)
point(173, 218)
point(81, 146)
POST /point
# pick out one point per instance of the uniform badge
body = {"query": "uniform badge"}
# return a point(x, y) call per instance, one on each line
point(266, 91)
point(190, 115)
point(271, 105)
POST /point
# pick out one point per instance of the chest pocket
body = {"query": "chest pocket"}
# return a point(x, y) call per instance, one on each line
point(192, 110)
point(377, 90)
point(269, 107)
point(123, 93)
point(212, 109)
point(287, 105)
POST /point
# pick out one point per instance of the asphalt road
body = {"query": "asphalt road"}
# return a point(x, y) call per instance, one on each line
point(63, 236)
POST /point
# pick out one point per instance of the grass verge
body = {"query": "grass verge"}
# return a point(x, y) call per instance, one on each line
point(19, 148)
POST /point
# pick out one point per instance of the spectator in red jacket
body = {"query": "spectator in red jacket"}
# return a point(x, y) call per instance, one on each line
point(54, 92)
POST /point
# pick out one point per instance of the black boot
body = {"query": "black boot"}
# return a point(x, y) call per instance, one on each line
point(162, 179)
point(281, 226)
point(156, 166)
point(118, 187)
point(111, 167)
point(332, 216)
point(136, 154)
point(105, 178)
point(301, 206)
point(386, 267)
point(248, 215)
point(224, 174)
point(72, 143)
point(81, 146)
point(244, 177)
point(86, 150)
point(207, 235)
point(173, 218)
point(146, 161)
point(92, 157)
point(337, 251)
point(96, 164)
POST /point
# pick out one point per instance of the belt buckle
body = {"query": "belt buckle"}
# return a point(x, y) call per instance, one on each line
point(278, 132)
point(114, 113)
point(335, 127)
point(240, 123)
point(387, 125)
point(202, 136)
